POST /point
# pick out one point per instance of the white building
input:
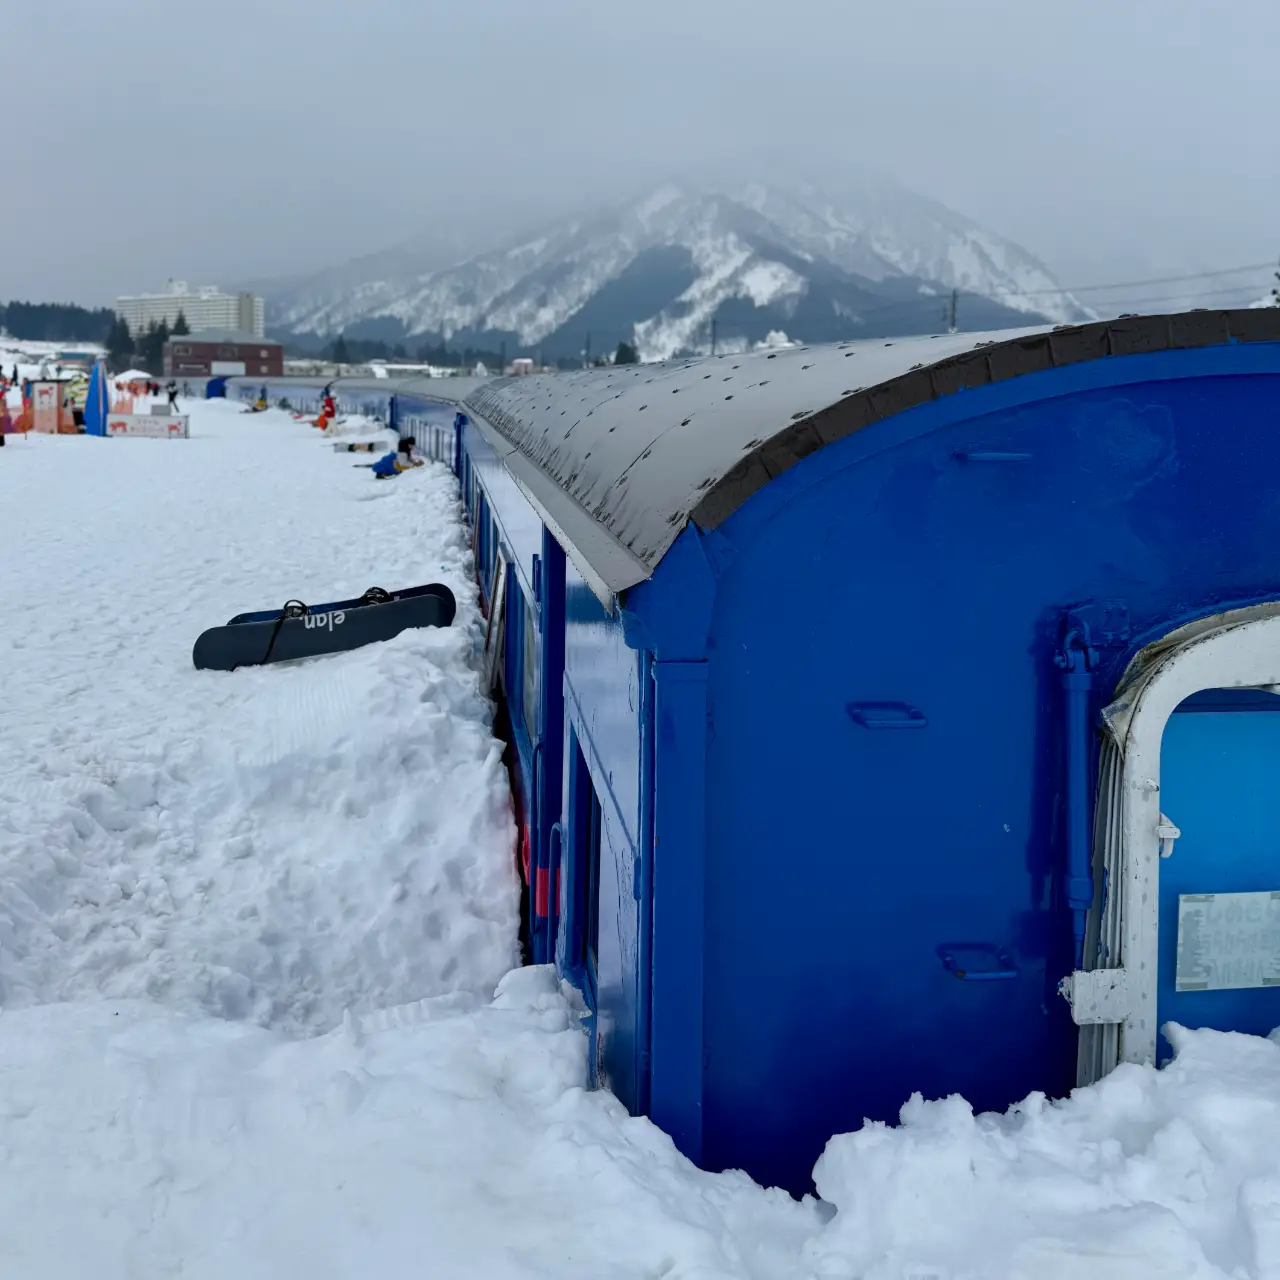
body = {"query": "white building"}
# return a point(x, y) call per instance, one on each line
point(206, 308)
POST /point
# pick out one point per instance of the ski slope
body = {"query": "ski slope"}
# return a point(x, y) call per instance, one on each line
point(252, 924)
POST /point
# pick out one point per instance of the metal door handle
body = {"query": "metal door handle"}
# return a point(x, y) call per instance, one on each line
point(1166, 833)
point(1004, 971)
point(886, 715)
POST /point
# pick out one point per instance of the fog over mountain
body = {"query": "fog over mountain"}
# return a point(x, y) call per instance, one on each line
point(1114, 142)
point(686, 265)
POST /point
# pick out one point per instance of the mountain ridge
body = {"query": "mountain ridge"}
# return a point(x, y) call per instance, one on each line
point(682, 268)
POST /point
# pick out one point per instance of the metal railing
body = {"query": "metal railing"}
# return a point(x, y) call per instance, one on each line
point(433, 439)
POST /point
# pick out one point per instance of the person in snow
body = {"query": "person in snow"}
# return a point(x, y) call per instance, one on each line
point(392, 464)
point(328, 409)
point(172, 389)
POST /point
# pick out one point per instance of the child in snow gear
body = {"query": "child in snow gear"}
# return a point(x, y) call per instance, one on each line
point(328, 410)
point(392, 464)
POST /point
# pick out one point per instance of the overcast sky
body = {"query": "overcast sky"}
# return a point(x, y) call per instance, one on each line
point(237, 139)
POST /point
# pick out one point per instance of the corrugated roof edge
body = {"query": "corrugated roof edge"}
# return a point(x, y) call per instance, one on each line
point(607, 565)
point(611, 566)
point(988, 363)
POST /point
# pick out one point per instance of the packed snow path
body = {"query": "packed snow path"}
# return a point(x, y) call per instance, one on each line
point(275, 844)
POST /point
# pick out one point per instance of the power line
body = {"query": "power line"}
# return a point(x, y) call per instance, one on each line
point(1251, 290)
point(1138, 284)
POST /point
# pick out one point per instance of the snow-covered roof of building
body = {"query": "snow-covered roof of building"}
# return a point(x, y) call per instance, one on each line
point(619, 460)
point(236, 337)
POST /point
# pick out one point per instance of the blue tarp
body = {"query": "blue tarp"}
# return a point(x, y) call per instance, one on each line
point(97, 404)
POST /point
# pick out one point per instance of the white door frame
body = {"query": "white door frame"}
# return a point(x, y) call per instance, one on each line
point(1234, 655)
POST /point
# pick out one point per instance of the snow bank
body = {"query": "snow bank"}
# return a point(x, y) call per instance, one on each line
point(357, 426)
point(452, 1138)
point(445, 1139)
point(272, 844)
point(1146, 1176)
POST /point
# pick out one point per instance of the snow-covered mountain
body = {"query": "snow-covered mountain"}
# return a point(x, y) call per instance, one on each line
point(671, 269)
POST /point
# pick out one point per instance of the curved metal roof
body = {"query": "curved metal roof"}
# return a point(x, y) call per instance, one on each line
point(619, 460)
point(451, 390)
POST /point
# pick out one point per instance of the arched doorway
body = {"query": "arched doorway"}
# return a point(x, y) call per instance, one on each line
point(1186, 928)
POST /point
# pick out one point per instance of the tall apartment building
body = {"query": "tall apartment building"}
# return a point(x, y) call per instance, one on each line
point(205, 308)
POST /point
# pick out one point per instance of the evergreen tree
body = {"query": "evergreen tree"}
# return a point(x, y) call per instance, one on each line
point(162, 336)
point(625, 354)
point(56, 321)
point(119, 344)
point(144, 346)
point(180, 326)
point(340, 353)
point(149, 347)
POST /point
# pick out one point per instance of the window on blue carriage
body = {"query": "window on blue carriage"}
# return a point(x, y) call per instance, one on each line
point(587, 833)
point(530, 672)
point(591, 932)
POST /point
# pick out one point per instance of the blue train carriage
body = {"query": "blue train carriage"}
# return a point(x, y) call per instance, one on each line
point(859, 692)
point(368, 396)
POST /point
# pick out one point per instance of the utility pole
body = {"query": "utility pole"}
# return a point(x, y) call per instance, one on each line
point(586, 359)
point(713, 335)
point(951, 310)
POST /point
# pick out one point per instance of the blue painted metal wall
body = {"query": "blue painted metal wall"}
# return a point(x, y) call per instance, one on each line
point(519, 527)
point(1218, 766)
point(602, 708)
point(893, 577)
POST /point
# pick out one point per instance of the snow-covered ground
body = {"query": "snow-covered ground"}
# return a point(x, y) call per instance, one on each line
point(272, 844)
point(251, 926)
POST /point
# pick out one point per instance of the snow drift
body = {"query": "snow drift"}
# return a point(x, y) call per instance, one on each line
point(268, 845)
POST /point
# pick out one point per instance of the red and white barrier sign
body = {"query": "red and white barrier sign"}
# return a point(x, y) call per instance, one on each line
point(156, 427)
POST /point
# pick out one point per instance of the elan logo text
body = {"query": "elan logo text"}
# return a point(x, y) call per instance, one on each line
point(325, 621)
